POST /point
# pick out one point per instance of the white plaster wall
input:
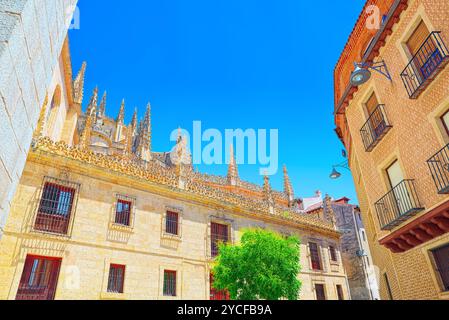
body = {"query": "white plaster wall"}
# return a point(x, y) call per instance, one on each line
point(32, 33)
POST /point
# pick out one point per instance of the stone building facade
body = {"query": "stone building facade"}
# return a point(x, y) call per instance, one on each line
point(99, 215)
point(355, 251)
point(32, 33)
point(394, 127)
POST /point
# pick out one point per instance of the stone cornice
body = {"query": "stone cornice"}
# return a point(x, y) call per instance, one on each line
point(164, 182)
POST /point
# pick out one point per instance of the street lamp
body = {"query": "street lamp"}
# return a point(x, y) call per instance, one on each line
point(335, 173)
point(362, 72)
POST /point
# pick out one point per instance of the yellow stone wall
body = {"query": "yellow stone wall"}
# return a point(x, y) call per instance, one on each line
point(416, 136)
point(94, 244)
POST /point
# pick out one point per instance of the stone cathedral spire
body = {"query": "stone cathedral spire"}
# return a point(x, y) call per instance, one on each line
point(78, 85)
point(102, 109)
point(90, 118)
point(233, 173)
point(121, 114)
point(288, 189)
point(143, 149)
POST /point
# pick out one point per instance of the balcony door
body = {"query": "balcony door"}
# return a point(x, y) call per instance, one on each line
point(375, 116)
point(421, 54)
point(399, 189)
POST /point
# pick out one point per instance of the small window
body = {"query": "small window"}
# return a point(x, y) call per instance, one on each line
point(340, 293)
point(169, 283)
point(315, 256)
point(363, 236)
point(116, 278)
point(320, 292)
point(441, 257)
point(172, 223)
point(333, 253)
point(123, 213)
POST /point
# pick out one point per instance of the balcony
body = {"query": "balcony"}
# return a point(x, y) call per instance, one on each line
point(425, 65)
point(375, 128)
point(398, 205)
point(439, 168)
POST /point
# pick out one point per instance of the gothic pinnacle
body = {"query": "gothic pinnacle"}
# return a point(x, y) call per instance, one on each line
point(93, 103)
point(121, 114)
point(233, 174)
point(78, 85)
point(102, 110)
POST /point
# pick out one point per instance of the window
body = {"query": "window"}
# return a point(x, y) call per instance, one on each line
point(340, 292)
point(315, 256)
point(441, 257)
point(417, 39)
point(445, 121)
point(215, 294)
point(320, 292)
point(333, 253)
point(219, 234)
point(39, 279)
point(55, 208)
point(387, 283)
point(169, 283)
point(371, 104)
point(123, 213)
point(116, 278)
point(363, 236)
point(172, 223)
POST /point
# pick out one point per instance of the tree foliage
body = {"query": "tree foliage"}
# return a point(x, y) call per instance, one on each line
point(265, 266)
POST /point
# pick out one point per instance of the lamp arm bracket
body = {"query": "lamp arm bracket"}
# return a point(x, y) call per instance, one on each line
point(379, 66)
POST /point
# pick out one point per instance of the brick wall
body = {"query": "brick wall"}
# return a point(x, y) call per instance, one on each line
point(32, 33)
point(414, 138)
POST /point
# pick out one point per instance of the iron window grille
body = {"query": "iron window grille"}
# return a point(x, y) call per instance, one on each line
point(315, 257)
point(398, 205)
point(39, 278)
point(219, 234)
point(375, 128)
point(124, 211)
point(172, 223)
point(116, 279)
point(425, 65)
point(57, 205)
point(439, 168)
point(169, 289)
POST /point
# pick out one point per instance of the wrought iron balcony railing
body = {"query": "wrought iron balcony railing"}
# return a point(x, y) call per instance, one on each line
point(439, 168)
point(398, 205)
point(375, 128)
point(425, 65)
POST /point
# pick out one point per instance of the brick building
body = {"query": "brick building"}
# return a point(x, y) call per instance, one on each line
point(393, 124)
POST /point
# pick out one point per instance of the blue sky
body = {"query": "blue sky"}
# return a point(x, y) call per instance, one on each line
point(230, 64)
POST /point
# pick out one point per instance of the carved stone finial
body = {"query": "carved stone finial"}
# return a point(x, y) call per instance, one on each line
point(78, 85)
point(233, 173)
point(121, 114)
point(288, 189)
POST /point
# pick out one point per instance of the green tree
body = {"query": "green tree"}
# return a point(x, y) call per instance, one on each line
point(264, 266)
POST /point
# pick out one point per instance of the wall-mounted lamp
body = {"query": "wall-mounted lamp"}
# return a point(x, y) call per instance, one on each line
point(362, 72)
point(335, 173)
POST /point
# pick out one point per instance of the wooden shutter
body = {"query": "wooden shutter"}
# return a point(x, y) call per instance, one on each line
point(418, 37)
point(442, 262)
point(372, 104)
